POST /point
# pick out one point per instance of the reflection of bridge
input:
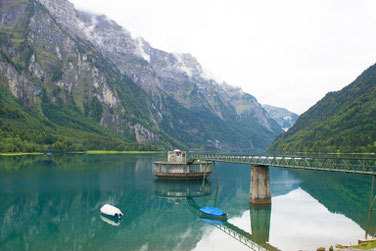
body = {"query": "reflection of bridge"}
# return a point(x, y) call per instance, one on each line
point(178, 192)
point(260, 232)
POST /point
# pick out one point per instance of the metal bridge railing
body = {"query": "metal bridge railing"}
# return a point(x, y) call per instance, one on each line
point(348, 165)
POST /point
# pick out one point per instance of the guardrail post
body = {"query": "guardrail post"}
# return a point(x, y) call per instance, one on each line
point(260, 185)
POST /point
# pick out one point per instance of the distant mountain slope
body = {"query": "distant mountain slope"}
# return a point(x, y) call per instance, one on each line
point(81, 76)
point(342, 121)
point(282, 116)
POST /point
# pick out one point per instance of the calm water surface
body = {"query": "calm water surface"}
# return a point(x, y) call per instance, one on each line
point(53, 202)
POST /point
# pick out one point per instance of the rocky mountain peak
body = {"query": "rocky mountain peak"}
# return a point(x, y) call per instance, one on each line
point(62, 10)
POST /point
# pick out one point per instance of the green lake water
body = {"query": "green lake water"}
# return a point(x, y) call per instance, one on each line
point(53, 202)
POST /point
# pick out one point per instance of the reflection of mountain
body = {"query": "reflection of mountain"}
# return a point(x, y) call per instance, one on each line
point(50, 206)
point(282, 181)
point(340, 193)
point(54, 202)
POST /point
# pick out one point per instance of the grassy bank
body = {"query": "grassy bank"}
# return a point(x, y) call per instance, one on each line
point(364, 245)
point(86, 152)
point(19, 154)
point(370, 245)
point(119, 152)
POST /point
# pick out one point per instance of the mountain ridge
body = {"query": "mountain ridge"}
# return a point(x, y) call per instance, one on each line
point(50, 64)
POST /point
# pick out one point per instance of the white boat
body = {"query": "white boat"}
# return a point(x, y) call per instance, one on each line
point(111, 211)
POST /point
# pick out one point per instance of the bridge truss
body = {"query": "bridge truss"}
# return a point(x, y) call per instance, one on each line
point(365, 166)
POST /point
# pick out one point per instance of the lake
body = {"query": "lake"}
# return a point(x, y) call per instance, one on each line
point(53, 202)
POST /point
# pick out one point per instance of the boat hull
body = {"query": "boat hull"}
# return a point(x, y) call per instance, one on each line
point(111, 211)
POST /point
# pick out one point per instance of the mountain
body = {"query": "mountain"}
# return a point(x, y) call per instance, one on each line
point(180, 76)
point(68, 96)
point(282, 116)
point(343, 121)
point(82, 82)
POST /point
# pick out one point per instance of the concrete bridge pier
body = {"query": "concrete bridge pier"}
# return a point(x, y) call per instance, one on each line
point(260, 186)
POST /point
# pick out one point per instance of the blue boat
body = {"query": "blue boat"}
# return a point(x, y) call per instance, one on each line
point(212, 212)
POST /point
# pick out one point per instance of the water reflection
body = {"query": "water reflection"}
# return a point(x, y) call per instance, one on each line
point(183, 191)
point(255, 238)
point(260, 222)
point(53, 203)
point(296, 222)
point(258, 240)
point(300, 222)
point(340, 193)
point(177, 191)
point(111, 220)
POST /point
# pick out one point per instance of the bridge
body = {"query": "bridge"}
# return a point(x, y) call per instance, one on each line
point(260, 183)
point(365, 166)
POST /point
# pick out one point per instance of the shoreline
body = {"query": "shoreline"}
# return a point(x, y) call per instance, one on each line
point(21, 154)
point(90, 152)
point(119, 152)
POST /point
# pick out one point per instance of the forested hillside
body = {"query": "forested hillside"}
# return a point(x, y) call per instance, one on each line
point(343, 121)
point(25, 130)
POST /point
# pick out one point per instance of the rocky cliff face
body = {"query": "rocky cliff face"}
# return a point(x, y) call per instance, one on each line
point(42, 59)
point(91, 64)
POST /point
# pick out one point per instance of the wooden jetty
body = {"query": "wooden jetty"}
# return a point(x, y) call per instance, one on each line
point(177, 168)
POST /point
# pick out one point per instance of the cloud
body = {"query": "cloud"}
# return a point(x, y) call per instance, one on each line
point(140, 45)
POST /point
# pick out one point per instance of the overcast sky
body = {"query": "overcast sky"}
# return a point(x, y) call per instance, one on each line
point(285, 53)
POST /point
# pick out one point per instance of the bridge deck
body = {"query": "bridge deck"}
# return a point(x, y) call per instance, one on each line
point(348, 165)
